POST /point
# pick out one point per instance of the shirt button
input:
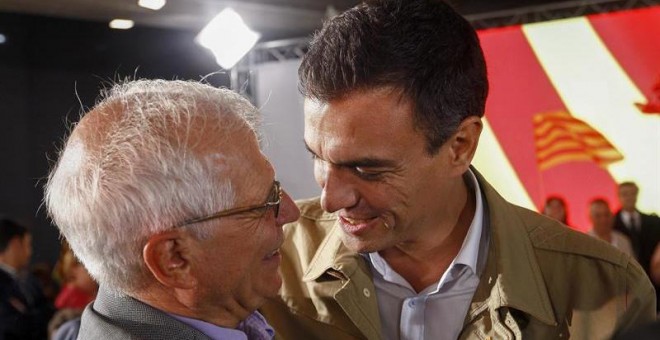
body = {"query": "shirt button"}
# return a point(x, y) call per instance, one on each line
point(366, 292)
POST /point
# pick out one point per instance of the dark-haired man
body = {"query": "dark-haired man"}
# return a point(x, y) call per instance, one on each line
point(18, 315)
point(407, 240)
point(642, 229)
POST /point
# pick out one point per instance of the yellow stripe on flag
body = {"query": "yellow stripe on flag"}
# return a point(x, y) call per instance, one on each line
point(596, 89)
point(569, 140)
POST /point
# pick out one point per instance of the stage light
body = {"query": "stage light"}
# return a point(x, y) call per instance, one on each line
point(228, 38)
point(152, 4)
point(121, 24)
point(3, 38)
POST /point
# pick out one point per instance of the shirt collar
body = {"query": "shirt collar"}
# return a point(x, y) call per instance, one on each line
point(9, 269)
point(469, 253)
point(628, 217)
point(255, 325)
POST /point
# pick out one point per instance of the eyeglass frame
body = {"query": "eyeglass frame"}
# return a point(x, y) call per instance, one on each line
point(275, 190)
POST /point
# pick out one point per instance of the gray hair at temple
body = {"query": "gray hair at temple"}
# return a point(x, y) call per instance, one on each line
point(133, 166)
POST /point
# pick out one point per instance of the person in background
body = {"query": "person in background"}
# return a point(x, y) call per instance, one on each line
point(408, 240)
point(23, 310)
point(78, 288)
point(43, 275)
point(555, 207)
point(643, 230)
point(602, 223)
point(163, 194)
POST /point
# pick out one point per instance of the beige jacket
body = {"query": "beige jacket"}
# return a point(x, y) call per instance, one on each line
point(541, 281)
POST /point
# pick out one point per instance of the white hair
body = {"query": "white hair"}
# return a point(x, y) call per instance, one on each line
point(134, 171)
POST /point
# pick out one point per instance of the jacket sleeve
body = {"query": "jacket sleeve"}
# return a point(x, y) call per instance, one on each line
point(640, 298)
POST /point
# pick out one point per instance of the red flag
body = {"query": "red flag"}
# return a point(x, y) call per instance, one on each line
point(561, 138)
point(653, 106)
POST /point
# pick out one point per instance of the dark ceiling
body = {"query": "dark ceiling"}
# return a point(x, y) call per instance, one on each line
point(275, 19)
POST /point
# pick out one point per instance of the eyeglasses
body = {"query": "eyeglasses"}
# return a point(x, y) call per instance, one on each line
point(273, 200)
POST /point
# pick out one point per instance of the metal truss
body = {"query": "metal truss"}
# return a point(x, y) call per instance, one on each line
point(561, 10)
point(243, 74)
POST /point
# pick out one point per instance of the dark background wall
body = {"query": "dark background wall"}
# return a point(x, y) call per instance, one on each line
point(48, 69)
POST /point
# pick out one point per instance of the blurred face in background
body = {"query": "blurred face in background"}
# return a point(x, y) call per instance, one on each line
point(22, 247)
point(628, 197)
point(555, 209)
point(601, 217)
point(80, 278)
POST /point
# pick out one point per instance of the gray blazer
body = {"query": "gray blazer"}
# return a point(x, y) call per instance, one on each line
point(122, 317)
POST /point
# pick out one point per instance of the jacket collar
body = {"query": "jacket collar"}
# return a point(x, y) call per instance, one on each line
point(331, 255)
point(512, 277)
point(353, 295)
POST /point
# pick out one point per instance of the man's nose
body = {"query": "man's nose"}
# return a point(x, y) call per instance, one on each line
point(289, 212)
point(338, 191)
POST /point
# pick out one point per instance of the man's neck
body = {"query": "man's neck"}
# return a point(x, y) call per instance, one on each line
point(423, 261)
point(629, 210)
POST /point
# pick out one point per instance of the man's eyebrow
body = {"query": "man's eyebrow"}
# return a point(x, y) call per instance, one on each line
point(366, 162)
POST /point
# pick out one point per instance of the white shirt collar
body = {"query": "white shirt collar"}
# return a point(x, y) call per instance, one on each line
point(9, 269)
point(469, 253)
point(630, 219)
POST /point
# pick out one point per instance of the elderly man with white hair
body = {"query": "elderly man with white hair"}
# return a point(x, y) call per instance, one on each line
point(165, 197)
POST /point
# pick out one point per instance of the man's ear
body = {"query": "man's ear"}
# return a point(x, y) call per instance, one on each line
point(464, 142)
point(168, 259)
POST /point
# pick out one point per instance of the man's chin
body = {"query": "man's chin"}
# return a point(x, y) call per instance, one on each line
point(359, 245)
point(274, 285)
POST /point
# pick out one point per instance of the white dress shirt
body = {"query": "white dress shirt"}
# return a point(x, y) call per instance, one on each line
point(632, 220)
point(438, 311)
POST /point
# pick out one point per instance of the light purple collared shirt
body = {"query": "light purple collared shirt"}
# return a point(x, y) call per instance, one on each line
point(438, 311)
point(254, 327)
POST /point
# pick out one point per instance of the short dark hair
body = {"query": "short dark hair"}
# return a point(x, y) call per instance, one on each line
point(554, 198)
point(599, 201)
point(629, 184)
point(10, 229)
point(560, 200)
point(423, 48)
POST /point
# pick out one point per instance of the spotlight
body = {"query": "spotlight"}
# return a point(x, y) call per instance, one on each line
point(152, 4)
point(227, 37)
point(121, 24)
